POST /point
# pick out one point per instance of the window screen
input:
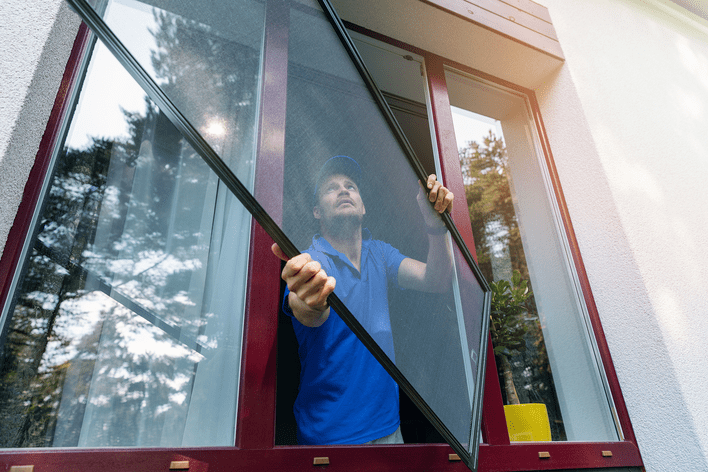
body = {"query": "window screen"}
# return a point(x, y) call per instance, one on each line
point(433, 340)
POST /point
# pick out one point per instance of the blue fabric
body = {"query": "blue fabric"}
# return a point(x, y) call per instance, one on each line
point(345, 396)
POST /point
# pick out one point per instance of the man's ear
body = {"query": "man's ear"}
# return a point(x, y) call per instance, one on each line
point(363, 209)
point(316, 212)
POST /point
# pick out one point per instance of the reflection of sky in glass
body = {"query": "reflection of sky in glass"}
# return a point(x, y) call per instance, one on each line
point(470, 126)
point(109, 89)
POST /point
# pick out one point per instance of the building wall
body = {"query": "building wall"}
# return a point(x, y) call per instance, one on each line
point(36, 38)
point(627, 117)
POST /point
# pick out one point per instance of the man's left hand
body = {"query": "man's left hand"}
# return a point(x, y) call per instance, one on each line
point(439, 194)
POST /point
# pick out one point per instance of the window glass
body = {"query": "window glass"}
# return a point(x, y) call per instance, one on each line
point(126, 325)
point(431, 334)
point(542, 341)
point(205, 59)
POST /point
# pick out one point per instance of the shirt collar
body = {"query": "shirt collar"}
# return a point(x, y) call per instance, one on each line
point(322, 245)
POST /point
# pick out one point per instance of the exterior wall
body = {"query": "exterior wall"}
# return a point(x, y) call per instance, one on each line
point(627, 117)
point(36, 38)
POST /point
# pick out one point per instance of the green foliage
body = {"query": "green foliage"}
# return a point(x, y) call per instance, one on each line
point(485, 171)
point(509, 304)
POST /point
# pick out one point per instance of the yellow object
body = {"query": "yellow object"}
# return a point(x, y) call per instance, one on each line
point(527, 422)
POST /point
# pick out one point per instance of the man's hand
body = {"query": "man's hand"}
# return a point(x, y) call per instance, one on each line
point(439, 195)
point(435, 273)
point(309, 287)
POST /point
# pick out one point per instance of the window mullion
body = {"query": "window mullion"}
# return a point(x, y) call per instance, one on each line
point(447, 149)
point(493, 420)
point(256, 422)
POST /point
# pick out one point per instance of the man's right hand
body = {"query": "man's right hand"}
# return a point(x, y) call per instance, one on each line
point(309, 287)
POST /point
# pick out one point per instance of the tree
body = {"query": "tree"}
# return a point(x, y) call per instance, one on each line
point(508, 328)
point(485, 172)
point(517, 336)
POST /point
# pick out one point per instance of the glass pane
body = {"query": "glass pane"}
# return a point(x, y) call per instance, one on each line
point(542, 343)
point(126, 326)
point(205, 59)
point(431, 333)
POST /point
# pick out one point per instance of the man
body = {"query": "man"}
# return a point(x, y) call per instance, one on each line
point(345, 396)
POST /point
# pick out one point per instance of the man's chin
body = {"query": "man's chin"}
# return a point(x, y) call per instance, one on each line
point(345, 220)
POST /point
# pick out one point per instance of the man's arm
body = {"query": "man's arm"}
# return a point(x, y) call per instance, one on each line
point(434, 274)
point(309, 287)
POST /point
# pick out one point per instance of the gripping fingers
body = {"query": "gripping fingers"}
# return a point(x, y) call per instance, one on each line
point(444, 200)
point(303, 273)
point(315, 293)
point(294, 266)
point(439, 194)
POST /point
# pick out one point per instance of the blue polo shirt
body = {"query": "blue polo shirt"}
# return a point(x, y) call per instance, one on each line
point(345, 396)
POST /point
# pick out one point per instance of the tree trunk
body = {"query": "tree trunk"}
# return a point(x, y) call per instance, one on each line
point(511, 397)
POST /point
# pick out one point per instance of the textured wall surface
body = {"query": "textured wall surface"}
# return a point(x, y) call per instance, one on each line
point(35, 41)
point(627, 119)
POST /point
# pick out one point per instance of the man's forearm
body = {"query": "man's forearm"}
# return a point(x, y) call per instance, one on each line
point(435, 274)
point(438, 267)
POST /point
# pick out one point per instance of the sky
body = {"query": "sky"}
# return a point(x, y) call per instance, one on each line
point(108, 86)
point(470, 126)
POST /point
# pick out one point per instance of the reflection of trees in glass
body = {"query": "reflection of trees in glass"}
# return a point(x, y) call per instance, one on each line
point(500, 253)
point(211, 80)
point(51, 344)
point(33, 364)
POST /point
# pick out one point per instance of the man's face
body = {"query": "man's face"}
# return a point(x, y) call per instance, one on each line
point(338, 197)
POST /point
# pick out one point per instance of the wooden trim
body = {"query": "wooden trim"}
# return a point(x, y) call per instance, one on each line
point(23, 218)
point(532, 28)
point(531, 7)
point(536, 24)
point(494, 430)
point(447, 147)
point(270, 159)
point(558, 456)
point(406, 458)
point(255, 427)
point(256, 414)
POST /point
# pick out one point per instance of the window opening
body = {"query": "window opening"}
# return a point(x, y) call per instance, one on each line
point(329, 105)
point(413, 118)
point(543, 349)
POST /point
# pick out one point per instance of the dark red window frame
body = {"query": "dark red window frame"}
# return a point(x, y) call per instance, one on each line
point(254, 448)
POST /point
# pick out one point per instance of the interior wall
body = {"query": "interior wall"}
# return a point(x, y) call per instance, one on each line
point(627, 117)
point(36, 38)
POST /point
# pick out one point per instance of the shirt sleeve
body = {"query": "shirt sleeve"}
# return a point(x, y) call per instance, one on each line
point(286, 305)
point(393, 259)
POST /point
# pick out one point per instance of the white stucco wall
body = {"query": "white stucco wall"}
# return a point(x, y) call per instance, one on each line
point(35, 41)
point(627, 118)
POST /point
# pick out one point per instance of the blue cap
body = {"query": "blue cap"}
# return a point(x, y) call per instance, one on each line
point(343, 165)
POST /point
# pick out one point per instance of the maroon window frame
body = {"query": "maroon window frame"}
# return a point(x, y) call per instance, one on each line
point(255, 435)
